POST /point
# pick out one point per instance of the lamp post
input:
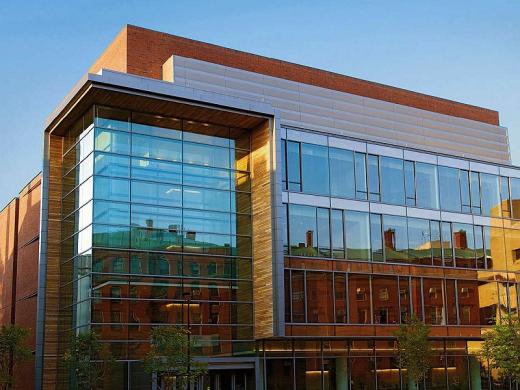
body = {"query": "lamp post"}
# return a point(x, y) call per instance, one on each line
point(187, 299)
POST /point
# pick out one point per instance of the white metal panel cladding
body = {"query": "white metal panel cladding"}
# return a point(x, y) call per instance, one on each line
point(344, 114)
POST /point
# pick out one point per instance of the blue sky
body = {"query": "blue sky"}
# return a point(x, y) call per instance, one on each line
point(467, 51)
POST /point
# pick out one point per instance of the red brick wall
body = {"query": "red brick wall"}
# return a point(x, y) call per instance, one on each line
point(143, 52)
point(27, 273)
point(7, 259)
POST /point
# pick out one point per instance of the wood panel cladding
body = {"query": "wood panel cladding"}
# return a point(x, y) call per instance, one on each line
point(51, 354)
point(263, 295)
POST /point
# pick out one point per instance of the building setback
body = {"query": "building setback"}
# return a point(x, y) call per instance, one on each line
point(294, 215)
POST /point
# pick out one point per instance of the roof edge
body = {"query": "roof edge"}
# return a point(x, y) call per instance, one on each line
point(147, 50)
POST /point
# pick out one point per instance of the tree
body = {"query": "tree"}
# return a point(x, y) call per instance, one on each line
point(12, 350)
point(90, 360)
point(414, 349)
point(501, 347)
point(170, 358)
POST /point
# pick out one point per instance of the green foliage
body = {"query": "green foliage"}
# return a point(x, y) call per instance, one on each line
point(171, 359)
point(90, 360)
point(12, 350)
point(414, 348)
point(501, 347)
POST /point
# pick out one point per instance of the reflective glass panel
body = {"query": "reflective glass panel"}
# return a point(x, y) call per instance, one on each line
point(302, 230)
point(409, 180)
point(361, 175)
point(298, 296)
point(449, 189)
point(464, 244)
point(515, 197)
point(111, 165)
point(156, 217)
point(342, 183)
point(111, 213)
point(465, 191)
point(111, 189)
point(319, 297)
point(207, 177)
point(337, 234)
point(427, 187)
point(392, 180)
point(156, 194)
point(157, 148)
point(385, 300)
point(206, 199)
point(395, 238)
point(490, 194)
point(475, 193)
point(315, 169)
point(373, 178)
point(359, 299)
point(433, 296)
point(206, 221)
point(505, 197)
point(340, 297)
point(323, 220)
point(293, 166)
point(436, 242)
point(112, 141)
point(420, 242)
point(376, 238)
point(155, 170)
point(447, 245)
point(207, 155)
point(357, 233)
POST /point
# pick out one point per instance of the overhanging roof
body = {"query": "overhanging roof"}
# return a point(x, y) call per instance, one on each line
point(130, 92)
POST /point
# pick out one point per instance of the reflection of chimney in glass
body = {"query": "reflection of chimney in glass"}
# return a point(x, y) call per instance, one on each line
point(309, 235)
point(149, 223)
point(390, 239)
point(461, 240)
point(191, 235)
point(173, 228)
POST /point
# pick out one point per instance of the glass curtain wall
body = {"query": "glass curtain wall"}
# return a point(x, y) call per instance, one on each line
point(356, 235)
point(156, 214)
point(342, 173)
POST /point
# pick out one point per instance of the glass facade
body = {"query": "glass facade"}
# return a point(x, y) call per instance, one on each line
point(157, 224)
point(342, 173)
point(350, 273)
point(155, 211)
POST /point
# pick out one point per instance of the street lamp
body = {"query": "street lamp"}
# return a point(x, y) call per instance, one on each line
point(187, 299)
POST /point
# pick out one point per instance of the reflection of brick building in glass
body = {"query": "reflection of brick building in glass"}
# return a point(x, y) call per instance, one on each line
point(298, 216)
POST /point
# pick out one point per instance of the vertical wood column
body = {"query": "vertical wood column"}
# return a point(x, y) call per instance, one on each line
point(261, 158)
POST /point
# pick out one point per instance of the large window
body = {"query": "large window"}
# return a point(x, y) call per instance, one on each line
point(357, 231)
point(490, 193)
point(324, 297)
point(322, 170)
point(319, 297)
point(420, 242)
point(302, 230)
point(449, 189)
point(515, 197)
point(392, 180)
point(395, 237)
point(173, 197)
point(342, 183)
point(315, 169)
point(427, 188)
point(356, 235)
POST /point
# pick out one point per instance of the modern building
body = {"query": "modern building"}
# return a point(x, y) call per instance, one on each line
point(294, 215)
